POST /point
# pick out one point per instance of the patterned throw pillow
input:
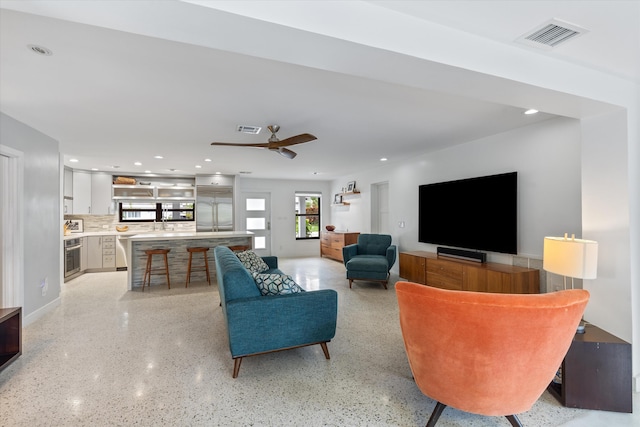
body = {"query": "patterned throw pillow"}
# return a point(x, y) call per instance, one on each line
point(276, 284)
point(252, 262)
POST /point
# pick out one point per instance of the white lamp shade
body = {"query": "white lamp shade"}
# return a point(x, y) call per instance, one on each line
point(576, 258)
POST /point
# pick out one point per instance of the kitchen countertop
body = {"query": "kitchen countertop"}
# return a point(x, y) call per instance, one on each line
point(188, 235)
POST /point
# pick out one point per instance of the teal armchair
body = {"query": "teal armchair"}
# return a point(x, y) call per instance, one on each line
point(370, 259)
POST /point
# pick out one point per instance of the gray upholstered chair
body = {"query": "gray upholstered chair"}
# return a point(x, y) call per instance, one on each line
point(370, 259)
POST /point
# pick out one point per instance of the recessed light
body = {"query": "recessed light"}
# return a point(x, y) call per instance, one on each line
point(147, 171)
point(158, 157)
point(383, 159)
point(115, 167)
point(40, 50)
point(198, 167)
point(73, 160)
point(138, 164)
point(531, 111)
point(242, 172)
point(218, 173)
point(207, 160)
point(172, 170)
point(94, 169)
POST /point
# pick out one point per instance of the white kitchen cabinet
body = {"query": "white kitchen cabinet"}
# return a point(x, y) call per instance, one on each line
point(91, 193)
point(109, 252)
point(101, 252)
point(81, 193)
point(101, 202)
point(94, 252)
point(84, 254)
point(68, 183)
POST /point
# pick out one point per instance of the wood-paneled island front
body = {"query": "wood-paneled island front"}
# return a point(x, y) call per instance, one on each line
point(178, 256)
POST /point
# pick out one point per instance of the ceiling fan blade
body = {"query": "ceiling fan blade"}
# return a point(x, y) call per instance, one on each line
point(285, 152)
point(298, 139)
point(232, 144)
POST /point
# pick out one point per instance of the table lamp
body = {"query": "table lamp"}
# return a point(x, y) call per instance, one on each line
point(571, 257)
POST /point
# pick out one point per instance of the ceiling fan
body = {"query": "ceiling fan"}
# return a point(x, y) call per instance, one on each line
point(275, 144)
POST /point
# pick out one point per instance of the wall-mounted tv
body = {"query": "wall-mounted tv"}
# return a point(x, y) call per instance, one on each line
point(476, 213)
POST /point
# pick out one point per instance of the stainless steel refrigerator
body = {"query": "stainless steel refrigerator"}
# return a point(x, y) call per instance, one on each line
point(214, 208)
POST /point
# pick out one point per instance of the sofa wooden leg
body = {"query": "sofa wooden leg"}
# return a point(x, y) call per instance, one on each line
point(236, 366)
point(325, 349)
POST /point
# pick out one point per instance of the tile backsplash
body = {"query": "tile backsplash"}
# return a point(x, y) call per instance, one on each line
point(109, 222)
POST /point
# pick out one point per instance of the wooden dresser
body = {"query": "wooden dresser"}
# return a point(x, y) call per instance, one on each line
point(448, 273)
point(332, 242)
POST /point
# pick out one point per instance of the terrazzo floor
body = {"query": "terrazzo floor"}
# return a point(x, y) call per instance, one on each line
point(110, 357)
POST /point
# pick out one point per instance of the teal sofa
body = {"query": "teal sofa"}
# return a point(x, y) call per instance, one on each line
point(370, 259)
point(258, 324)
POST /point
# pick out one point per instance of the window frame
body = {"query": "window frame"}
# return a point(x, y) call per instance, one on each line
point(305, 215)
point(158, 212)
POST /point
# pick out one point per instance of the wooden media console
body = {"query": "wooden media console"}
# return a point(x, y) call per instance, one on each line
point(427, 268)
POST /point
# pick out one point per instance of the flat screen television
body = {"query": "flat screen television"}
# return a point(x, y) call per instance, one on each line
point(476, 213)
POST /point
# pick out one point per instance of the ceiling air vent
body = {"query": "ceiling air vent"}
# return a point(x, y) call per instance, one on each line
point(551, 34)
point(249, 129)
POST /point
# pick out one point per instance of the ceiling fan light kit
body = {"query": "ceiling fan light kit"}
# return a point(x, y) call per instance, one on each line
point(275, 144)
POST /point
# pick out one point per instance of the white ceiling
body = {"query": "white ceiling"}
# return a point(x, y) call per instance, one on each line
point(131, 80)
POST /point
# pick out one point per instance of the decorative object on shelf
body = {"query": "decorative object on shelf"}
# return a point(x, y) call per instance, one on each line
point(574, 258)
point(330, 227)
point(351, 187)
point(337, 199)
point(122, 227)
point(125, 180)
point(74, 225)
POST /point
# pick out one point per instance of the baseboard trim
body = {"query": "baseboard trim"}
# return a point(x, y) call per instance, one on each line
point(27, 320)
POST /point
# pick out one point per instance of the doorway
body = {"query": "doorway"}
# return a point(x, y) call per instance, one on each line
point(380, 208)
point(256, 212)
point(11, 227)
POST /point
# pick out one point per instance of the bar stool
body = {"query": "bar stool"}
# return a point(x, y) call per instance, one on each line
point(204, 267)
point(149, 271)
point(239, 248)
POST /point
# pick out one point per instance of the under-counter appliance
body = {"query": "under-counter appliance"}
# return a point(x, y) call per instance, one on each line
point(214, 208)
point(72, 249)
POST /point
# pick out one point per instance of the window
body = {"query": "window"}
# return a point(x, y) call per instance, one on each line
point(307, 216)
point(132, 211)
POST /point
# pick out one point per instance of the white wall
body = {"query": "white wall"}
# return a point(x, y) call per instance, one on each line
point(545, 155)
point(605, 216)
point(41, 205)
point(283, 237)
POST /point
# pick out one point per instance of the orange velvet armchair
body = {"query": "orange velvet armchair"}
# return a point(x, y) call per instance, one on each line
point(485, 353)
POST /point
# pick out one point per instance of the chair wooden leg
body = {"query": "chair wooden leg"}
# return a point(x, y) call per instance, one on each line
point(147, 274)
point(325, 349)
point(166, 265)
point(435, 415)
point(514, 420)
point(350, 282)
point(186, 284)
point(236, 366)
point(206, 267)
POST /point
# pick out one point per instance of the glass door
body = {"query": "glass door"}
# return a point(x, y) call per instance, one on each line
point(257, 219)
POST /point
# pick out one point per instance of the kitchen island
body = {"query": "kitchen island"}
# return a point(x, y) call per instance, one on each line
point(178, 257)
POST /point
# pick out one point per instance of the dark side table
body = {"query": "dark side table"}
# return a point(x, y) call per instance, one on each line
point(10, 335)
point(596, 373)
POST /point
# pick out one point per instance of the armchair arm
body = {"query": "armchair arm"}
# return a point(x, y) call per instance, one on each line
point(349, 252)
point(272, 261)
point(265, 323)
point(391, 255)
